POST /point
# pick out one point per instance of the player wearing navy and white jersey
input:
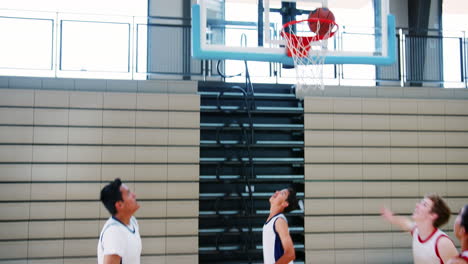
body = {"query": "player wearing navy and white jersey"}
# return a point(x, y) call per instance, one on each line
point(430, 244)
point(460, 229)
point(277, 243)
point(119, 241)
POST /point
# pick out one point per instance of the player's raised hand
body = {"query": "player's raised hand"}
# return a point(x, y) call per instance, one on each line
point(403, 222)
point(386, 213)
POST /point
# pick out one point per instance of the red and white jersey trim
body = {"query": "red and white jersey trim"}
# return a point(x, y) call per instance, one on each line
point(426, 251)
point(437, 247)
point(464, 255)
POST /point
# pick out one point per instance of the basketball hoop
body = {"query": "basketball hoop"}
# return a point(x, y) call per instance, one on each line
point(308, 46)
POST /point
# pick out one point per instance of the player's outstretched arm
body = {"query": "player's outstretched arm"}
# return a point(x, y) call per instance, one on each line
point(403, 222)
point(457, 260)
point(112, 259)
point(281, 227)
point(447, 249)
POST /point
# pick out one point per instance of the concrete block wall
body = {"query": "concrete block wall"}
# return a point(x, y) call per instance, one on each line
point(362, 153)
point(62, 140)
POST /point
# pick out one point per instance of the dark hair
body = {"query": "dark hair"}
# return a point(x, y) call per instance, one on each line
point(440, 208)
point(111, 194)
point(292, 201)
point(464, 218)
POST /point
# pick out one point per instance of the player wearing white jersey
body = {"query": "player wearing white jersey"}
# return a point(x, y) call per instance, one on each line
point(278, 246)
point(116, 238)
point(430, 244)
point(427, 251)
point(460, 229)
point(119, 242)
point(272, 244)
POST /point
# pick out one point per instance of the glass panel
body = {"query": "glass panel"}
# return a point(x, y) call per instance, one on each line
point(359, 72)
point(95, 46)
point(452, 59)
point(141, 52)
point(26, 43)
point(166, 54)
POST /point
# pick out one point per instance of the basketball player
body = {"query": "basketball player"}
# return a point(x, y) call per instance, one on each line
point(277, 243)
point(460, 228)
point(430, 244)
point(120, 240)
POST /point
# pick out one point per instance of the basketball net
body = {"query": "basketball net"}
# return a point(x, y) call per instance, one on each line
point(308, 50)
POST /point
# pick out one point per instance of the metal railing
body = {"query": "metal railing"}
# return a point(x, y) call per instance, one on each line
point(66, 45)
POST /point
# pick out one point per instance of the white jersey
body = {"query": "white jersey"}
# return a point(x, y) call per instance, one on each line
point(119, 239)
point(426, 251)
point(272, 247)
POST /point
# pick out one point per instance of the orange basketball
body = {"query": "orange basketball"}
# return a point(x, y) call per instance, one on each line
point(321, 28)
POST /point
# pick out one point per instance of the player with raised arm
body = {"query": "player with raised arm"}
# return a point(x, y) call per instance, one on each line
point(430, 244)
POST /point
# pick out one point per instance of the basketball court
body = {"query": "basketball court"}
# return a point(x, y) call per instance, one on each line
point(210, 106)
